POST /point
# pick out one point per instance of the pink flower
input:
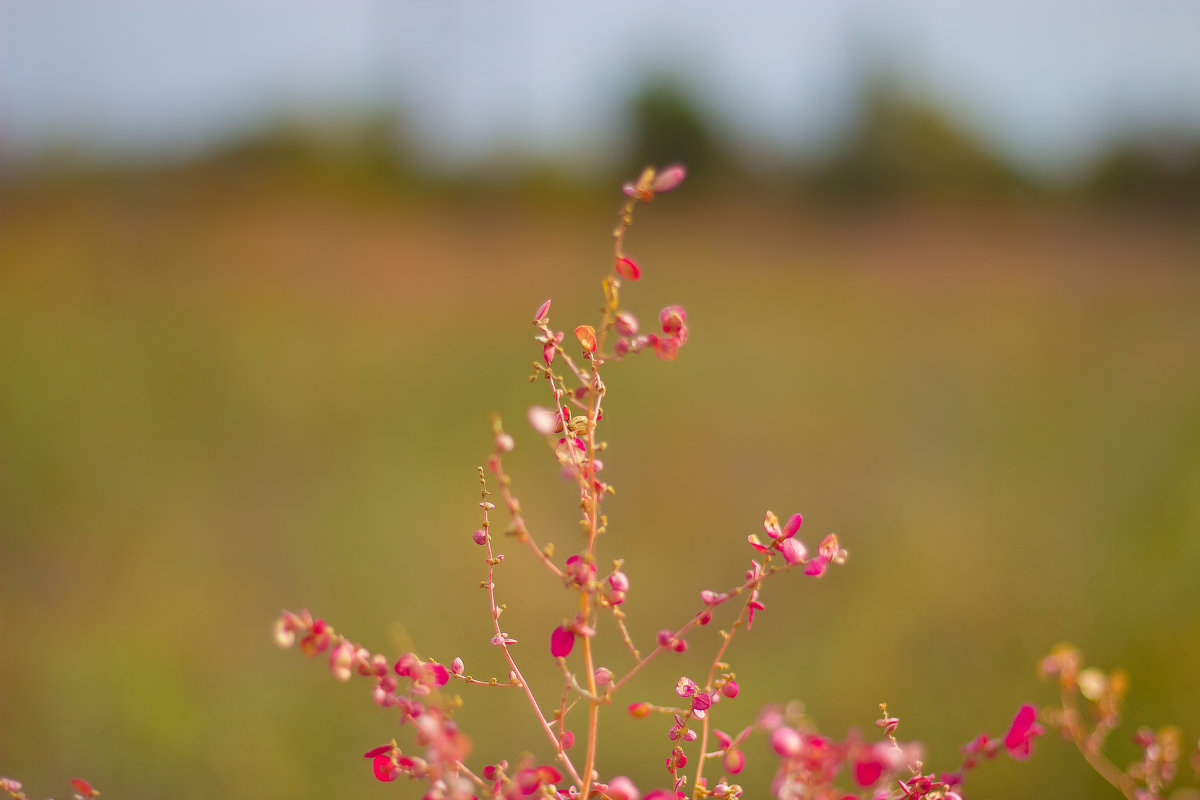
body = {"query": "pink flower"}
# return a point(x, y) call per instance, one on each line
point(562, 641)
point(550, 346)
point(626, 324)
point(1019, 739)
point(793, 551)
point(318, 638)
point(542, 312)
point(786, 742)
point(733, 760)
point(782, 539)
point(385, 768)
point(672, 319)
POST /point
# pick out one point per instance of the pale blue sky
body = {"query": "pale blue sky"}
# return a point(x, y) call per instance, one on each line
point(1047, 81)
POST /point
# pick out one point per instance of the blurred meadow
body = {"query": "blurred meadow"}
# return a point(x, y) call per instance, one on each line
point(259, 376)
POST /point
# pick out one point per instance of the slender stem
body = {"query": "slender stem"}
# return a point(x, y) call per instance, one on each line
point(585, 597)
point(1096, 759)
point(500, 637)
point(767, 572)
point(514, 511)
point(708, 686)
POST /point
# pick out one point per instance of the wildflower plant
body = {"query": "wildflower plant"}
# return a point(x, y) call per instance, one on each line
point(699, 757)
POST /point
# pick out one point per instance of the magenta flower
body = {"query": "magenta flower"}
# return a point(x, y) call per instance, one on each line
point(562, 641)
point(1019, 739)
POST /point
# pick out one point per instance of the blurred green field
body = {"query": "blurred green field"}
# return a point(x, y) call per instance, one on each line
point(221, 399)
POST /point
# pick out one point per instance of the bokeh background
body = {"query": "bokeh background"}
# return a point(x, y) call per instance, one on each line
point(266, 268)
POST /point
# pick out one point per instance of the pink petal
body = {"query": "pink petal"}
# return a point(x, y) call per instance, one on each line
point(786, 742)
point(793, 525)
point(543, 420)
point(867, 772)
point(548, 774)
point(385, 769)
point(622, 788)
point(562, 641)
point(542, 311)
point(793, 551)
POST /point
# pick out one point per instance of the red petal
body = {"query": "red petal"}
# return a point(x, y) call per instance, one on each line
point(867, 772)
point(628, 268)
point(548, 774)
point(385, 770)
point(562, 641)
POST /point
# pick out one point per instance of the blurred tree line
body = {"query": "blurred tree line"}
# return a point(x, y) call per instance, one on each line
point(896, 147)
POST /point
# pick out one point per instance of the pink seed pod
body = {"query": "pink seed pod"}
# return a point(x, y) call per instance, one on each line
point(480, 537)
point(627, 268)
point(730, 689)
point(668, 178)
point(786, 742)
point(672, 319)
point(456, 666)
point(586, 335)
point(639, 710)
point(619, 581)
point(626, 324)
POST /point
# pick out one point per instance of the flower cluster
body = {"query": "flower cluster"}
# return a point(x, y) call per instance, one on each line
point(83, 789)
point(811, 765)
